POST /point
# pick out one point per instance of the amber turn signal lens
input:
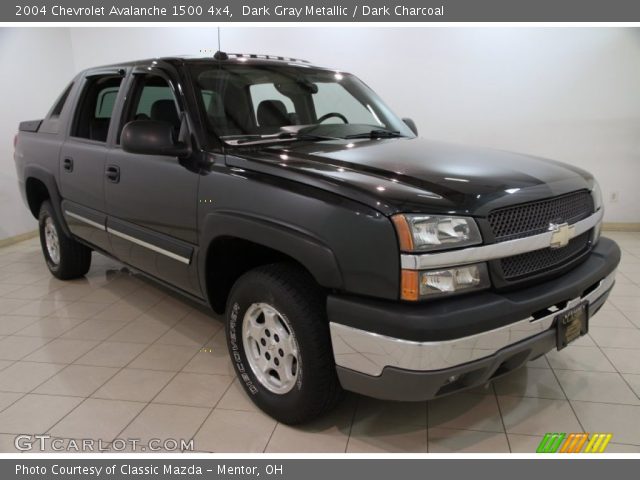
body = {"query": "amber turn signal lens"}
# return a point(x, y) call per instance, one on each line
point(409, 288)
point(404, 233)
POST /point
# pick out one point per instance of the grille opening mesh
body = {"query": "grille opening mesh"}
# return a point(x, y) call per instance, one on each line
point(540, 260)
point(533, 218)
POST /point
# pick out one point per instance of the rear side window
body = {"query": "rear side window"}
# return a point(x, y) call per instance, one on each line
point(106, 102)
point(57, 108)
point(93, 115)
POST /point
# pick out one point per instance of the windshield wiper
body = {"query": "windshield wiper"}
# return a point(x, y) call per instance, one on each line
point(376, 134)
point(252, 139)
point(240, 138)
point(306, 136)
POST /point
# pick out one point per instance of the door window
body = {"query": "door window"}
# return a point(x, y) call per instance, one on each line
point(106, 101)
point(93, 115)
point(152, 99)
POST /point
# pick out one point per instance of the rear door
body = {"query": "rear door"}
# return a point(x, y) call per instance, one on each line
point(151, 200)
point(83, 155)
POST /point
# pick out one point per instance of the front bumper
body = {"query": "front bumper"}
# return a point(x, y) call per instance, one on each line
point(452, 344)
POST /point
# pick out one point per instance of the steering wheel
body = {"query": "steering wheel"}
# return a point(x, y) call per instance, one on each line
point(329, 115)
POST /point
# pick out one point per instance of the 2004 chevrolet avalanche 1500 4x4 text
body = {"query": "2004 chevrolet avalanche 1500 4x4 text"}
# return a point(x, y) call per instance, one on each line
point(345, 252)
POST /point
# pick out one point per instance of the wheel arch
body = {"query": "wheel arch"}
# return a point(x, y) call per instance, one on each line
point(40, 185)
point(235, 243)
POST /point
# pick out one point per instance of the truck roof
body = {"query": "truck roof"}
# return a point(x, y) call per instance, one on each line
point(227, 58)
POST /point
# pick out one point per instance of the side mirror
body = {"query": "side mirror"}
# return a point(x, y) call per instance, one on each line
point(411, 124)
point(149, 137)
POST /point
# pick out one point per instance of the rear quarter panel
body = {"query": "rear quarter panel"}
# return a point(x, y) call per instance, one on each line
point(36, 154)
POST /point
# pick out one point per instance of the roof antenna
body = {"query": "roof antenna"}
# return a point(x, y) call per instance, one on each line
point(220, 55)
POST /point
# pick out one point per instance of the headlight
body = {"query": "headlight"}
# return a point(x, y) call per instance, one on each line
point(423, 233)
point(418, 285)
point(596, 194)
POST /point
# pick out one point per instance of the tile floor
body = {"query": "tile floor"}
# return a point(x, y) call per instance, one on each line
point(111, 356)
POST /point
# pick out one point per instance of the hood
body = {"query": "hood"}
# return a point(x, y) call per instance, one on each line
point(418, 175)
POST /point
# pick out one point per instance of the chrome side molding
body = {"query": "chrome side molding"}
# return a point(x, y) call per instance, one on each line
point(129, 238)
point(150, 246)
point(82, 219)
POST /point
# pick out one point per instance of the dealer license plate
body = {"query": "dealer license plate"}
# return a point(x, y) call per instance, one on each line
point(572, 324)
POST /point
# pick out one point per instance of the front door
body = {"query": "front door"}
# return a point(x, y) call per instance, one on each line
point(151, 199)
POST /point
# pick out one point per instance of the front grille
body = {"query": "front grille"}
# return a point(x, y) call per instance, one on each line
point(533, 218)
point(540, 261)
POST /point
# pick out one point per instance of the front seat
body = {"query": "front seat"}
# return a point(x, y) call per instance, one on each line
point(272, 113)
point(165, 111)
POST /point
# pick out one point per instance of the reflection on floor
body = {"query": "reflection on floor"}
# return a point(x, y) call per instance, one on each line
point(111, 357)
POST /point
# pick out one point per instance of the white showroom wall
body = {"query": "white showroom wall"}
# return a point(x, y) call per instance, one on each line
point(36, 65)
point(572, 94)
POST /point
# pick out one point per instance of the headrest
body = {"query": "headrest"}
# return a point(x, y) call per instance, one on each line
point(272, 113)
point(165, 111)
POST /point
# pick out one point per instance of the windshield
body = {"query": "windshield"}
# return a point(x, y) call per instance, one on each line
point(246, 103)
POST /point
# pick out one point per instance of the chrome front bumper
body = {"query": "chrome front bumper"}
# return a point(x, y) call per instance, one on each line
point(370, 353)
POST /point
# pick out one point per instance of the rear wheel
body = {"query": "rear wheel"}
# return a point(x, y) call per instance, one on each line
point(65, 257)
point(278, 338)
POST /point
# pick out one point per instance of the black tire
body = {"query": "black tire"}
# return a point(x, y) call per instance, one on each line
point(296, 296)
point(74, 258)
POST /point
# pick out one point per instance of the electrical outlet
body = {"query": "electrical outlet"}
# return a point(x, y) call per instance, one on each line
point(613, 197)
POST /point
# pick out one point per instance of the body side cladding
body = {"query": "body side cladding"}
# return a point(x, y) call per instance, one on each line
point(48, 179)
point(313, 255)
point(198, 301)
point(311, 217)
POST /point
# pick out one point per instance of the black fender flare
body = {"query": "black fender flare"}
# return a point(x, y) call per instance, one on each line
point(49, 181)
point(309, 251)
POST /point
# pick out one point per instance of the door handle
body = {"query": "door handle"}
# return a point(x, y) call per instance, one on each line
point(112, 173)
point(67, 165)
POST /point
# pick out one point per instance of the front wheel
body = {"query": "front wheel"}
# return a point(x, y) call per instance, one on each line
point(278, 338)
point(65, 258)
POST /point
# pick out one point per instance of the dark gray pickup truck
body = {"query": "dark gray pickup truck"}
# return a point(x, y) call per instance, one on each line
point(345, 252)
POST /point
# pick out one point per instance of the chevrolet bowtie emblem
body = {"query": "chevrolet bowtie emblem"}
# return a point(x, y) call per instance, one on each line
point(561, 234)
